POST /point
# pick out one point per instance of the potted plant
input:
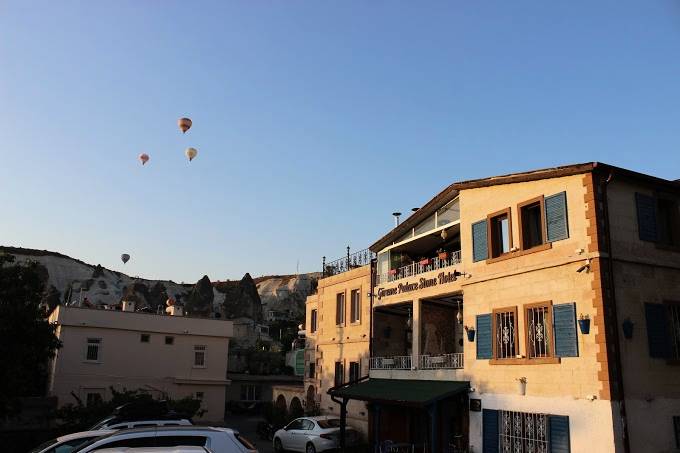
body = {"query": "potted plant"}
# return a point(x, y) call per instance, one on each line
point(522, 385)
point(470, 331)
point(584, 324)
point(442, 254)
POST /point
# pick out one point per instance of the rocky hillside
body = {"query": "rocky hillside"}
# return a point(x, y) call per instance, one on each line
point(286, 293)
point(71, 280)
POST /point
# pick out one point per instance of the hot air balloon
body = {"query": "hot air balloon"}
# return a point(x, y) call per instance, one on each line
point(125, 258)
point(144, 158)
point(191, 153)
point(184, 124)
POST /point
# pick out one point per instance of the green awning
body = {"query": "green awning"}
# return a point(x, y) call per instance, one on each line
point(400, 391)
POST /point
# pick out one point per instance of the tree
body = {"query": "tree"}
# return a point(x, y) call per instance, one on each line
point(27, 340)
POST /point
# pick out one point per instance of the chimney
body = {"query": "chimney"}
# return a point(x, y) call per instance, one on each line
point(396, 218)
point(128, 305)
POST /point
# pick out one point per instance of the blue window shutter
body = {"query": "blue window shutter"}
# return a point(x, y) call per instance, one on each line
point(480, 249)
point(646, 213)
point(657, 331)
point(559, 434)
point(484, 336)
point(556, 217)
point(564, 328)
point(490, 439)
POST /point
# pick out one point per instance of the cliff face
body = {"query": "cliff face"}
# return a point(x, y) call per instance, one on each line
point(286, 293)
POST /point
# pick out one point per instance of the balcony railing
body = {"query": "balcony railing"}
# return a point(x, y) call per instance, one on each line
point(400, 362)
point(419, 267)
point(440, 362)
point(425, 362)
point(346, 263)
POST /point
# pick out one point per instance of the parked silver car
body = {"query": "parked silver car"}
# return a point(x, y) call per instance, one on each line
point(218, 440)
point(312, 435)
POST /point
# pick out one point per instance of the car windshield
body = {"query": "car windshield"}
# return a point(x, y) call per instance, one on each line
point(43, 446)
point(329, 423)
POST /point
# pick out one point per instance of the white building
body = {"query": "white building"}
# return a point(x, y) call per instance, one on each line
point(168, 356)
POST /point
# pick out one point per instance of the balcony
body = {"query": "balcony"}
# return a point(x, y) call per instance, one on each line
point(452, 361)
point(347, 263)
point(420, 267)
point(419, 336)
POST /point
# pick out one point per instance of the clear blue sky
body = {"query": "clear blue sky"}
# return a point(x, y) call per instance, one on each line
point(314, 120)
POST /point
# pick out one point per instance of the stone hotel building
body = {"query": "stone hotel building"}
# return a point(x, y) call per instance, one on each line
point(531, 312)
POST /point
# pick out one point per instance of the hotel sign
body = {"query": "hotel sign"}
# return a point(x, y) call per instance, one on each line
point(406, 287)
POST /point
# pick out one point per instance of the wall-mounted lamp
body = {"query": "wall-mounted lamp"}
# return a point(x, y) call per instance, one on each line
point(585, 268)
point(459, 315)
point(627, 326)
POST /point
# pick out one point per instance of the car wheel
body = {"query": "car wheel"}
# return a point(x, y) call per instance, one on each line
point(278, 446)
point(310, 448)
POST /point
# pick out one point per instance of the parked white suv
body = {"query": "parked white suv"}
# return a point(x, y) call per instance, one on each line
point(116, 422)
point(312, 435)
point(218, 440)
point(69, 442)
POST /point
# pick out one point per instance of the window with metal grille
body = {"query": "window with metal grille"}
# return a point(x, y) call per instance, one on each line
point(505, 333)
point(312, 370)
point(355, 311)
point(354, 371)
point(199, 356)
point(144, 338)
point(313, 320)
point(340, 309)
point(93, 349)
point(94, 398)
point(251, 392)
point(674, 321)
point(538, 324)
point(169, 340)
point(339, 373)
point(522, 432)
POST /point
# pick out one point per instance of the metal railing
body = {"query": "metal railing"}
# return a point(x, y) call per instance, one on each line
point(419, 267)
point(399, 362)
point(425, 362)
point(346, 263)
point(441, 362)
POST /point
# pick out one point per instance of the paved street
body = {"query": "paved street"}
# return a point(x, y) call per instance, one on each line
point(247, 425)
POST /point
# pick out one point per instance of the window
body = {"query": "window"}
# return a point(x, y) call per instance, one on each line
point(145, 338)
point(295, 424)
point(676, 428)
point(313, 320)
point(339, 373)
point(538, 326)
point(93, 351)
point(199, 395)
point(523, 432)
point(307, 425)
point(505, 333)
point(340, 309)
point(354, 371)
point(312, 370)
point(169, 340)
point(668, 221)
point(500, 237)
point(199, 356)
point(449, 213)
point(251, 392)
point(355, 309)
point(532, 224)
point(674, 321)
point(175, 441)
point(94, 398)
